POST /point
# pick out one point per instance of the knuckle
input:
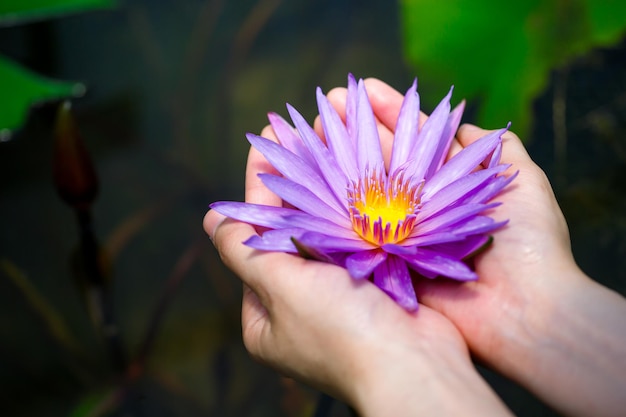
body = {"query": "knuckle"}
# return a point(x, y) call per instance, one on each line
point(225, 247)
point(268, 133)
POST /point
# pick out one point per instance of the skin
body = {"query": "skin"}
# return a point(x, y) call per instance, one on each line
point(532, 315)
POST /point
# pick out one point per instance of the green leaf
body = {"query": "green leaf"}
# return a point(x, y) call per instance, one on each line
point(21, 88)
point(501, 56)
point(607, 20)
point(14, 12)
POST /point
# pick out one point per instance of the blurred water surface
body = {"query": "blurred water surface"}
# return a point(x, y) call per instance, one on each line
point(172, 89)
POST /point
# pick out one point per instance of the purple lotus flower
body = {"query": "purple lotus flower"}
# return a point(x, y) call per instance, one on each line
point(422, 213)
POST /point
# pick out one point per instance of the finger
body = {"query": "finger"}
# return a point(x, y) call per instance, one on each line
point(263, 272)
point(455, 147)
point(228, 236)
point(457, 302)
point(256, 191)
point(252, 309)
point(210, 222)
point(253, 313)
point(254, 319)
point(386, 102)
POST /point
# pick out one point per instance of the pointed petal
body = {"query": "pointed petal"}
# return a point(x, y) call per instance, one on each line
point(439, 263)
point(463, 162)
point(302, 198)
point(337, 139)
point(455, 191)
point(423, 272)
point(275, 240)
point(478, 225)
point(463, 248)
point(257, 214)
point(495, 156)
point(331, 171)
point(430, 239)
point(351, 105)
point(327, 243)
point(286, 240)
point(288, 138)
point(441, 153)
point(318, 224)
point(360, 265)
point(429, 139)
point(494, 159)
point(400, 250)
point(408, 252)
point(393, 277)
point(406, 129)
point(296, 169)
point(452, 216)
point(369, 153)
point(491, 189)
point(278, 218)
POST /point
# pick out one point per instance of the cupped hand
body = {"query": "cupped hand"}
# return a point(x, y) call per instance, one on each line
point(528, 265)
point(532, 315)
point(530, 259)
point(312, 321)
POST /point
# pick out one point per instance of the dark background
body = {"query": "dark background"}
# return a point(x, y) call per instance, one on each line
point(172, 89)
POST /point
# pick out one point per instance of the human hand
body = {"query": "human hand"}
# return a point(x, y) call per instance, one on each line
point(529, 264)
point(532, 313)
point(532, 307)
point(312, 321)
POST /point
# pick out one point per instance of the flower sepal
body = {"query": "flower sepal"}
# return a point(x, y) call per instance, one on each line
point(480, 249)
point(311, 253)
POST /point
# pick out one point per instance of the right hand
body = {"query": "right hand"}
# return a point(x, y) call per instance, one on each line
point(532, 311)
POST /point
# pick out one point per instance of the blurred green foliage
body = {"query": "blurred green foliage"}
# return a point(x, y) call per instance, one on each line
point(21, 88)
point(19, 11)
point(502, 54)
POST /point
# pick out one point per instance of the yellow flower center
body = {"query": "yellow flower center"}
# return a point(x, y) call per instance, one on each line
point(383, 209)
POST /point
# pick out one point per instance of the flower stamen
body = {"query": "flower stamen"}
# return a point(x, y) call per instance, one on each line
point(383, 209)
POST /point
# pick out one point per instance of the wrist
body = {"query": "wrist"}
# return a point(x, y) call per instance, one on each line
point(418, 378)
point(526, 308)
point(568, 348)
